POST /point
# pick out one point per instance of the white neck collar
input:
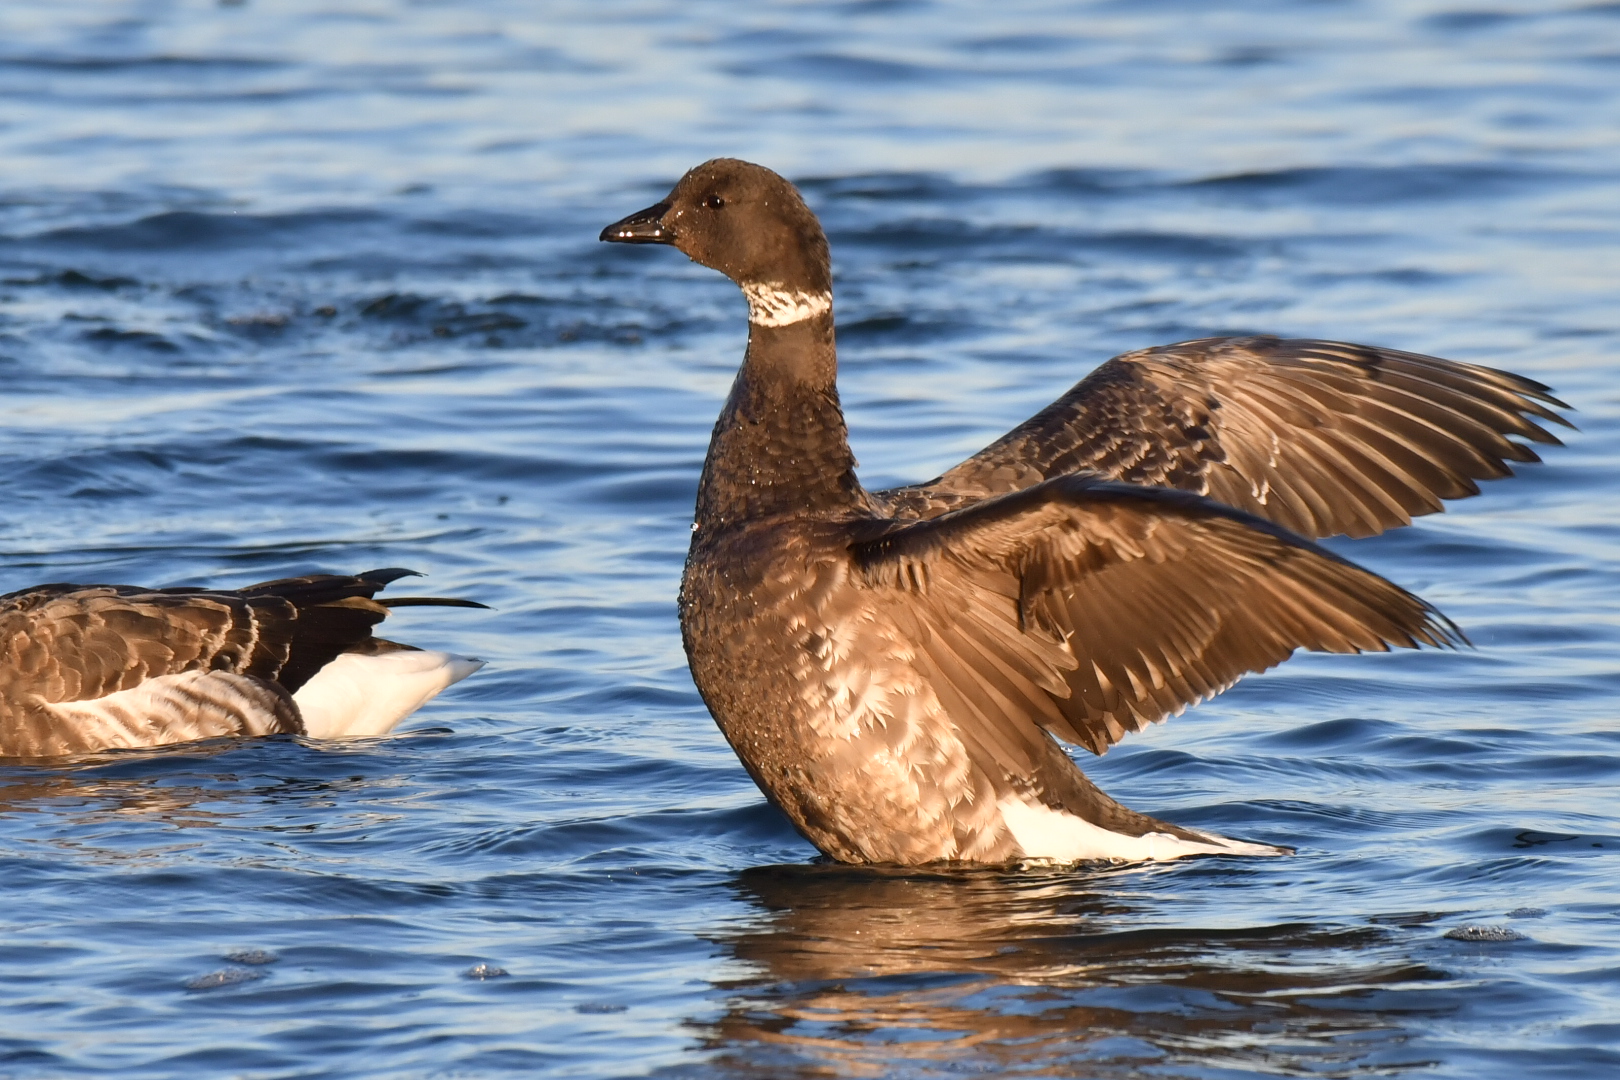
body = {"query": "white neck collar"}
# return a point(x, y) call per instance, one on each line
point(774, 304)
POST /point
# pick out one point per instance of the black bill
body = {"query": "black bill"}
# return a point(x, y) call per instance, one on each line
point(642, 227)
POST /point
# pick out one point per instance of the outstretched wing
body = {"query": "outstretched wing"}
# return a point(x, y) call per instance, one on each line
point(1321, 437)
point(1091, 608)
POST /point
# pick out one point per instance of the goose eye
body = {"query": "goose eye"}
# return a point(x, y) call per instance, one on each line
point(714, 202)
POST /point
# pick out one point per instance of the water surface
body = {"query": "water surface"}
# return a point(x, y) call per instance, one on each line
point(314, 286)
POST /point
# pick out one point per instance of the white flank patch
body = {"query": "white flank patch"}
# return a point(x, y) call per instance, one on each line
point(357, 696)
point(774, 305)
point(1045, 833)
point(175, 708)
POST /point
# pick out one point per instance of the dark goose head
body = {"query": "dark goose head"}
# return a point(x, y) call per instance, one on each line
point(781, 444)
point(746, 222)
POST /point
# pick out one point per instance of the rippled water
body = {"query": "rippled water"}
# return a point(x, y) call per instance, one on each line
point(314, 285)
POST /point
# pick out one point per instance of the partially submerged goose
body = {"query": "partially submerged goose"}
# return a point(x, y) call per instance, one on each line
point(94, 667)
point(894, 668)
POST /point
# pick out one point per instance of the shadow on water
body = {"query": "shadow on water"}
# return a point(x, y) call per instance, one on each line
point(856, 972)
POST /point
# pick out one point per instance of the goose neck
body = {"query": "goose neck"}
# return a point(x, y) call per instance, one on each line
point(780, 446)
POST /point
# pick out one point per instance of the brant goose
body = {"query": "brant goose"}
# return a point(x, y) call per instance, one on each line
point(93, 667)
point(895, 668)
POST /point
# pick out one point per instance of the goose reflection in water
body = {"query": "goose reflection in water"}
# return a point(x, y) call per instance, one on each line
point(91, 795)
point(211, 785)
point(860, 973)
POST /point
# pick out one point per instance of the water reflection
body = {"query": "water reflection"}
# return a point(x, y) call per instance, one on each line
point(206, 785)
point(870, 973)
point(88, 794)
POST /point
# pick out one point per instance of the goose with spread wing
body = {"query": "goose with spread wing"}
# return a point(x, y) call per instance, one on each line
point(98, 667)
point(896, 669)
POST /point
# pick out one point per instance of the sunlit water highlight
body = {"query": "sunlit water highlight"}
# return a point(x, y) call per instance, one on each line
point(301, 286)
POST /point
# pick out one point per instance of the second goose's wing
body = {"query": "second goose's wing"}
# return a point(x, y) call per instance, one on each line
point(1320, 437)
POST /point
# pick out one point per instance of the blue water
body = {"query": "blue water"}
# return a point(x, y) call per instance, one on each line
point(314, 284)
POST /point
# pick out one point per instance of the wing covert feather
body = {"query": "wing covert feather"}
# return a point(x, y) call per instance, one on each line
point(1153, 598)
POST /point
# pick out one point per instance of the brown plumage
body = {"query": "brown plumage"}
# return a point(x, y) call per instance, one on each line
point(1374, 437)
point(211, 662)
point(892, 667)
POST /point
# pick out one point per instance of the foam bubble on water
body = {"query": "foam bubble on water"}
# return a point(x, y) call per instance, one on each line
point(484, 971)
point(1484, 933)
point(214, 980)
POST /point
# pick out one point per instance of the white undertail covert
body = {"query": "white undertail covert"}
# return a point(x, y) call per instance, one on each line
point(355, 696)
point(1052, 835)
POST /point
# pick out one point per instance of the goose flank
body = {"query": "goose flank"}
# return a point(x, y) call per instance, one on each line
point(897, 670)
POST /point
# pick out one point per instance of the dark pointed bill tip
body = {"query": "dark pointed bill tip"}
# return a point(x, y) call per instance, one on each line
point(642, 227)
